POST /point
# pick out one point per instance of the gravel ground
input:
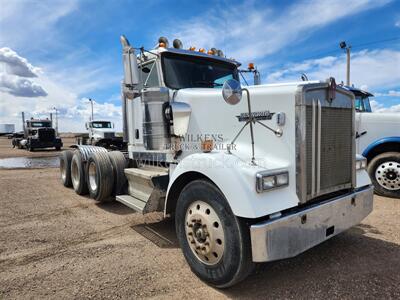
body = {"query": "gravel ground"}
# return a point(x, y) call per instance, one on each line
point(55, 244)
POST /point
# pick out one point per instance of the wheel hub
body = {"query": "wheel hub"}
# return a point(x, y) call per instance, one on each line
point(388, 175)
point(204, 232)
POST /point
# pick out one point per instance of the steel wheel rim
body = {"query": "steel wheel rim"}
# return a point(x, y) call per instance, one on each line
point(74, 173)
point(388, 175)
point(92, 176)
point(204, 233)
point(63, 170)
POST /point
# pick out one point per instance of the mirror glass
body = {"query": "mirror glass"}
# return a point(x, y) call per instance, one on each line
point(232, 91)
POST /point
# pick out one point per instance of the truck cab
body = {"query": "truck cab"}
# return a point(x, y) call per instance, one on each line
point(250, 174)
point(378, 139)
point(100, 129)
point(38, 134)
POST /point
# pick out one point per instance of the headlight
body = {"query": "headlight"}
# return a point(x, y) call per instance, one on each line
point(269, 180)
point(361, 163)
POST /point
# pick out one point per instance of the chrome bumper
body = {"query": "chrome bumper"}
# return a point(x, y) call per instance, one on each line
point(293, 234)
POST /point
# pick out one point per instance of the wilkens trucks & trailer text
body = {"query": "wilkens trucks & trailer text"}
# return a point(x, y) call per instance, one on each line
point(264, 175)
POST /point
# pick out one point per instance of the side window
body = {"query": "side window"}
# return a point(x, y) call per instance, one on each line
point(149, 75)
point(358, 104)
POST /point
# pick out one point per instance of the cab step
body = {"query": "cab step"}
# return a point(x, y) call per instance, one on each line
point(134, 203)
point(147, 187)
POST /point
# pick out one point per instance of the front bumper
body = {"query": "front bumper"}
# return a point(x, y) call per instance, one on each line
point(296, 232)
point(37, 143)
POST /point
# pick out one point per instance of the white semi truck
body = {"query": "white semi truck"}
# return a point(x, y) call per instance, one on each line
point(101, 133)
point(250, 175)
point(378, 139)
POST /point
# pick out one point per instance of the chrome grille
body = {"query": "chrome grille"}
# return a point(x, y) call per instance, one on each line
point(46, 134)
point(324, 143)
point(109, 135)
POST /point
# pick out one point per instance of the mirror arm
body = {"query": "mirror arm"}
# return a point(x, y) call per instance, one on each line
point(251, 121)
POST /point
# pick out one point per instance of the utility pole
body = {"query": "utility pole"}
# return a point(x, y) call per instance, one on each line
point(91, 103)
point(346, 47)
point(56, 120)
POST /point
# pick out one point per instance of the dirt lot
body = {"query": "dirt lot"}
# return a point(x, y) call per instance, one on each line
point(55, 244)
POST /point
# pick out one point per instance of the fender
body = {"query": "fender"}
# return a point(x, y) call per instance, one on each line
point(237, 181)
point(392, 139)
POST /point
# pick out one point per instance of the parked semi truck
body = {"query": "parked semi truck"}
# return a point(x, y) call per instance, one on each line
point(37, 134)
point(101, 133)
point(250, 175)
point(378, 139)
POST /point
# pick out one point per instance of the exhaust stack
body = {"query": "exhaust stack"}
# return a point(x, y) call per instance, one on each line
point(23, 121)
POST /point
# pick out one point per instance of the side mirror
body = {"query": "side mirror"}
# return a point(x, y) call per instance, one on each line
point(232, 91)
point(131, 72)
point(86, 126)
point(112, 125)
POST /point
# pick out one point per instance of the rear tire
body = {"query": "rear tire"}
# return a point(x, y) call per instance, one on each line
point(204, 223)
point(119, 163)
point(78, 176)
point(384, 171)
point(65, 167)
point(99, 176)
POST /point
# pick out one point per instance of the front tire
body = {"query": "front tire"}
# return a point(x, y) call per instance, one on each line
point(215, 243)
point(384, 171)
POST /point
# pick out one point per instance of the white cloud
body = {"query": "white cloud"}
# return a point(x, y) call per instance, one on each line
point(378, 69)
point(391, 93)
point(14, 64)
point(20, 87)
point(380, 108)
point(13, 75)
point(253, 31)
point(31, 23)
point(17, 94)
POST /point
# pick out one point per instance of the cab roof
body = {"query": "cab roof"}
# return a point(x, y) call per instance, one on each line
point(357, 91)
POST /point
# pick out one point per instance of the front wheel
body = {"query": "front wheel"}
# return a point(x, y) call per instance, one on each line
point(215, 243)
point(384, 171)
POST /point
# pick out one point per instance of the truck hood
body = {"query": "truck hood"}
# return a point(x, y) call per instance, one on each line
point(380, 118)
point(212, 118)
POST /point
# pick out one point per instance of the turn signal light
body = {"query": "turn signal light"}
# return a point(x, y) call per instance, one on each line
point(251, 66)
point(210, 52)
point(161, 45)
point(202, 50)
point(192, 48)
point(207, 145)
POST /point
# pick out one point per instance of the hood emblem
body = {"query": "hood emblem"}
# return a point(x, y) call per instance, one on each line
point(258, 115)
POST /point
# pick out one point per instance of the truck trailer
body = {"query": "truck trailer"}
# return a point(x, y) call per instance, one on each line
point(7, 129)
point(250, 175)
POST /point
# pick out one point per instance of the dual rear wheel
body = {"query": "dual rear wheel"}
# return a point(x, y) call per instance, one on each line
point(101, 176)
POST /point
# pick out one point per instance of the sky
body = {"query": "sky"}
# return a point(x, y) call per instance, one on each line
point(57, 54)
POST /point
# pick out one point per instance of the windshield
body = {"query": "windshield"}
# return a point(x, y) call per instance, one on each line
point(362, 104)
point(101, 124)
point(185, 71)
point(39, 124)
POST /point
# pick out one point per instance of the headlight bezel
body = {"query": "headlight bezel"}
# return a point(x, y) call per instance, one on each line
point(272, 176)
